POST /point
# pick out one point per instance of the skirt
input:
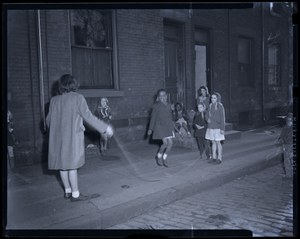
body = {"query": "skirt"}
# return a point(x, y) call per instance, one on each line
point(214, 134)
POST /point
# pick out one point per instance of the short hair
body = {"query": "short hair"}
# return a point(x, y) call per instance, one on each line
point(67, 83)
point(201, 103)
point(158, 92)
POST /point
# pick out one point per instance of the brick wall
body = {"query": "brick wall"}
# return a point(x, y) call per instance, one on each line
point(140, 43)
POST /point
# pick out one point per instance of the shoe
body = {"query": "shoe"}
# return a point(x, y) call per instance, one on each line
point(217, 161)
point(158, 161)
point(165, 163)
point(67, 195)
point(80, 198)
point(208, 157)
point(211, 160)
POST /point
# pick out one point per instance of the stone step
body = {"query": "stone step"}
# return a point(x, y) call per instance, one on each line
point(228, 126)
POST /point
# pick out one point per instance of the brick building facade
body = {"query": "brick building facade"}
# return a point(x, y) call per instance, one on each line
point(149, 49)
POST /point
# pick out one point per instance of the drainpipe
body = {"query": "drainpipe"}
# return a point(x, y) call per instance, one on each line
point(31, 82)
point(263, 63)
point(229, 69)
point(40, 61)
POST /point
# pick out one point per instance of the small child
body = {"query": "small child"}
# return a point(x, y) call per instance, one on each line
point(103, 112)
point(161, 126)
point(181, 119)
point(200, 122)
point(216, 127)
point(285, 140)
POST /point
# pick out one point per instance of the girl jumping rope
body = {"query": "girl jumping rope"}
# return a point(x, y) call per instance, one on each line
point(216, 127)
point(162, 127)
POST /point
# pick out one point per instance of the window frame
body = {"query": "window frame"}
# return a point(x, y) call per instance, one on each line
point(91, 91)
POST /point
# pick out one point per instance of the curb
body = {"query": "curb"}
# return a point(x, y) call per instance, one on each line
point(121, 213)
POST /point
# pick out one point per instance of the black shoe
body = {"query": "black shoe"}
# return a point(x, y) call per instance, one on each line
point(67, 195)
point(211, 160)
point(158, 161)
point(217, 161)
point(165, 162)
point(80, 198)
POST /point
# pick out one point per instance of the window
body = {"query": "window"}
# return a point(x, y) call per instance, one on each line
point(92, 48)
point(245, 61)
point(274, 64)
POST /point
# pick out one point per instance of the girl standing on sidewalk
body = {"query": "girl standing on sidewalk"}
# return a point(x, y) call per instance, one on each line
point(67, 111)
point(216, 127)
point(162, 126)
point(200, 122)
point(103, 112)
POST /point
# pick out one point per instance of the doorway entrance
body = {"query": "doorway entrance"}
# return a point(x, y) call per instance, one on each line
point(173, 54)
point(202, 63)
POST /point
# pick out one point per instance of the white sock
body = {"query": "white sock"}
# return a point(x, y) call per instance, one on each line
point(165, 156)
point(159, 155)
point(75, 194)
point(68, 190)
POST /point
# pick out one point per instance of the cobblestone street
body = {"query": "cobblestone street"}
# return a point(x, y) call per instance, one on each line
point(261, 202)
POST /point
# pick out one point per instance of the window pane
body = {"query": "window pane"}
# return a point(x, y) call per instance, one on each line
point(89, 27)
point(244, 50)
point(274, 68)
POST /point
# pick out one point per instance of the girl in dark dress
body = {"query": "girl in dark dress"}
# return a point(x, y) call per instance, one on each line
point(200, 123)
point(162, 126)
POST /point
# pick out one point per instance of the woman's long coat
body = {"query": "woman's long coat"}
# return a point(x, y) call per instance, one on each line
point(66, 130)
point(161, 121)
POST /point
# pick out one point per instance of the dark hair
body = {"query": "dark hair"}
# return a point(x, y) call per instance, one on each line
point(67, 83)
point(205, 88)
point(158, 92)
point(181, 106)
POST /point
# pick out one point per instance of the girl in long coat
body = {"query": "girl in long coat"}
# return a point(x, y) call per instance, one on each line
point(162, 126)
point(66, 134)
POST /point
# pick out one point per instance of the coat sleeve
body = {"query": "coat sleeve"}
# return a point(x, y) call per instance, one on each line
point(88, 117)
point(222, 118)
point(153, 117)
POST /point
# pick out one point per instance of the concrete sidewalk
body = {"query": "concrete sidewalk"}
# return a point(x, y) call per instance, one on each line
point(134, 184)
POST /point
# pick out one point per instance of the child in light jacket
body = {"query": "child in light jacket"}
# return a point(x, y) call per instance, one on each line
point(216, 127)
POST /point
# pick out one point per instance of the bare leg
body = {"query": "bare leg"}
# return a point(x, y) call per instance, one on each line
point(169, 143)
point(214, 149)
point(65, 178)
point(73, 177)
point(219, 145)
